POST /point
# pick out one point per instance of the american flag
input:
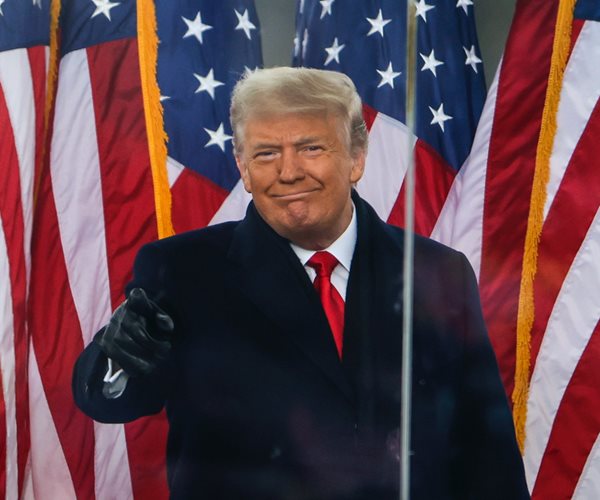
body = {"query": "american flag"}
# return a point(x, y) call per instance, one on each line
point(205, 47)
point(96, 207)
point(24, 33)
point(367, 41)
point(498, 199)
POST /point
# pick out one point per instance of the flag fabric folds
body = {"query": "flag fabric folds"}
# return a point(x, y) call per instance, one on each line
point(367, 41)
point(524, 209)
point(24, 33)
point(95, 207)
point(97, 204)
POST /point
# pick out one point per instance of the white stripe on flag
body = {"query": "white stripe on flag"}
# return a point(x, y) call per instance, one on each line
point(570, 326)
point(113, 478)
point(77, 187)
point(460, 224)
point(50, 472)
point(588, 485)
point(174, 170)
point(234, 206)
point(390, 143)
point(579, 95)
point(15, 80)
point(7, 365)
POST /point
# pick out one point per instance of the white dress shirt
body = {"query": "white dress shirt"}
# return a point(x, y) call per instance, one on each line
point(342, 249)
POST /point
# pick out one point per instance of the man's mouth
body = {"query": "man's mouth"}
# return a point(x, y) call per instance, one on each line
point(296, 195)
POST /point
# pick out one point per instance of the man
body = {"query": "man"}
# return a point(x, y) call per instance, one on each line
point(276, 387)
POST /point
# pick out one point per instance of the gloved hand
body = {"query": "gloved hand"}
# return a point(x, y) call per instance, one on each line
point(138, 336)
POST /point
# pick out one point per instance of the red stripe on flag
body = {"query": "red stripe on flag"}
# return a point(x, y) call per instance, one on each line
point(130, 221)
point(369, 115)
point(576, 427)
point(11, 214)
point(127, 189)
point(577, 27)
point(511, 162)
point(57, 341)
point(566, 225)
point(433, 179)
point(147, 446)
point(37, 61)
point(196, 199)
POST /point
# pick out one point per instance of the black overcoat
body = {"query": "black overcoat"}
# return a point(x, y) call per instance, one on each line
point(259, 405)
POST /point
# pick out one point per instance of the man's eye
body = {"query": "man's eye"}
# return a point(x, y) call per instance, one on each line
point(313, 149)
point(264, 155)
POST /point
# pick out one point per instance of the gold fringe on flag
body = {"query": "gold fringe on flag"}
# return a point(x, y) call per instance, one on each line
point(52, 78)
point(153, 111)
point(526, 312)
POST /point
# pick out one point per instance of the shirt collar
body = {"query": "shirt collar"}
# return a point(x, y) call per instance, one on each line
point(342, 248)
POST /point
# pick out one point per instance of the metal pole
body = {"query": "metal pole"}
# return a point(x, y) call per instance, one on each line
point(407, 293)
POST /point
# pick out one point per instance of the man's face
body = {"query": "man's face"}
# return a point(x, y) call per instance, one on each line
point(299, 170)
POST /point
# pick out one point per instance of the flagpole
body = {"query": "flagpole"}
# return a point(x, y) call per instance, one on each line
point(407, 292)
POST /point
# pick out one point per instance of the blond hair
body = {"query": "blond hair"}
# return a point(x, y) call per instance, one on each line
point(284, 90)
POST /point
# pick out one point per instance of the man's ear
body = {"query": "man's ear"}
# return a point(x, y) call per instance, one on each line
point(358, 166)
point(243, 168)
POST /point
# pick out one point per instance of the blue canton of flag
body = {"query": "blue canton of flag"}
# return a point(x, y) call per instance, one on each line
point(205, 47)
point(85, 23)
point(367, 41)
point(587, 9)
point(24, 23)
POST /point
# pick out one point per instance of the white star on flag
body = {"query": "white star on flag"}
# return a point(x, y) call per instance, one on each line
point(163, 98)
point(217, 138)
point(296, 46)
point(439, 116)
point(326, 7)
point(208, 83)
point(38, 3)
point(103, 7)
point(387, 76)
point(196, 27)
point(1, 2)
point(430, 63)
point(378, 24)
point(471, 60)
point(464, 4)
point(301, 9)
point(333, 52)
point(422, 9)
point(244, 23)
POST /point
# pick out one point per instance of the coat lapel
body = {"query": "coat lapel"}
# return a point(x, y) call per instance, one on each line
point(269, 274)
point(373, 334)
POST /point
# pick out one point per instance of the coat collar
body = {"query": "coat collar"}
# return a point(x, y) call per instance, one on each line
point(270, 275)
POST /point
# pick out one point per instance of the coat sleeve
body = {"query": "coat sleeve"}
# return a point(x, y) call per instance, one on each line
point(492, 467)
point(143, 395)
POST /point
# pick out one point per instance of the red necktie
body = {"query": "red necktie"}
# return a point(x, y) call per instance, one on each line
point(333, 304)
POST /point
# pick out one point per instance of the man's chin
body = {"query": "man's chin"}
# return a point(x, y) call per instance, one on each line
point(297, 228)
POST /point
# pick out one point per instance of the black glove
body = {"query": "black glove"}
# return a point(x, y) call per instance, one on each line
point(138, 336)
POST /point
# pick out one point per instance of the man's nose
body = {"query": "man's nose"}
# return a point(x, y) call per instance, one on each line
point(292, 169)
